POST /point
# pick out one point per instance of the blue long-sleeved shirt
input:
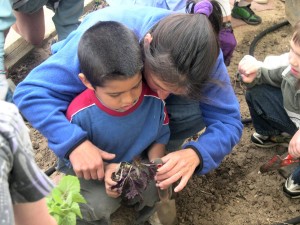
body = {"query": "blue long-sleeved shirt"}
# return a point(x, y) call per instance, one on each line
point(45, 94)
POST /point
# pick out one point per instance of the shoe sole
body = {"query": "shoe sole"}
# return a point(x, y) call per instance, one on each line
point(290, 194)
point(246, 21)
point(286, 145)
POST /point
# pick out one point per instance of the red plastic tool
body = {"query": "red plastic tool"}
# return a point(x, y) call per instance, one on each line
point(277, 162)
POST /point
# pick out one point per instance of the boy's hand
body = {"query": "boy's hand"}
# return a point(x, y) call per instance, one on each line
point(248, 68)
point(294, 145)
point(87, 161)
point(109, 169)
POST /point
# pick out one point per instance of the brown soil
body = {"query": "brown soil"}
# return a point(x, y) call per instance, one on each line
point(233, 194)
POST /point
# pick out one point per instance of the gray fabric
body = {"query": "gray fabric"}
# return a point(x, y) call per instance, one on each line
point(21, 180)
point(18, 3)
point(100, 207)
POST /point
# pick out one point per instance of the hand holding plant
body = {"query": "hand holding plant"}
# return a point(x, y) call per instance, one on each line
point(133, 179)
point(109, 183)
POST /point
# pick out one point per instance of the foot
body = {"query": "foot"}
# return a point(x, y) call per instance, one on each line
point(245, 13)
point(290, 188)
point(269, 142)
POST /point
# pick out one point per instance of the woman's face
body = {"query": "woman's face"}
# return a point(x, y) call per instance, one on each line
point(162, 88)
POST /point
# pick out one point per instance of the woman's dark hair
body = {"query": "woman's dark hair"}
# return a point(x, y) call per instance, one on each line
point(108, 50)
point(184, 50)
point(296, 35)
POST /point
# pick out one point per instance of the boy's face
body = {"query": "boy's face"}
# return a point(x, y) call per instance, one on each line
point(294, 59)
point(120, 95)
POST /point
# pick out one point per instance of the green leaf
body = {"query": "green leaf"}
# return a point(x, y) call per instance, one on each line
point(69, 219)
point(77, 197)
point(57, 196)
point(69, 184)
point(57, 218)
point(56, 209)
point(75, 208)
point(69, 198)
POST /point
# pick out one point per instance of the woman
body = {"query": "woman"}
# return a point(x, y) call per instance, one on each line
point(183, 64)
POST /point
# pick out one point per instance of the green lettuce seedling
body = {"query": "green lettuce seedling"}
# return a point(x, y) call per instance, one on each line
point(63, 201)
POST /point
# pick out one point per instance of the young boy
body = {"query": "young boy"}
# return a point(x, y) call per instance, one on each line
point(273, 97)
point(119, 112)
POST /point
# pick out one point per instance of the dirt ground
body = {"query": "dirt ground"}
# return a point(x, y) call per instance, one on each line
point(233, 194)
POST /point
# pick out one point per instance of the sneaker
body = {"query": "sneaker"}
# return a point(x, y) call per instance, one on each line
point(269, 142)
point(245, 13)
point(291, 189)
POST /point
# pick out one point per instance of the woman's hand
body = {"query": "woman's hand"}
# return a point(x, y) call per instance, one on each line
point(294, 145)
point(177, 165)
point(87, 161)
point(109, 169)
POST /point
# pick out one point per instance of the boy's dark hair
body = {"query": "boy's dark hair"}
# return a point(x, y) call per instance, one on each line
point(107, 51)
point(184, 50)
point(296, 35)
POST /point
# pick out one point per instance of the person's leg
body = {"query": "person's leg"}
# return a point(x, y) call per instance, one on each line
point(30, 21)
point(185, 120)
point(66, 18)
point(185, 117)
point(292, 185)
point(146, 208)
point(267, 112)
point(226, 35)
point(242, 10)
point(227, 42)
point(99, 206)
point(33, 213)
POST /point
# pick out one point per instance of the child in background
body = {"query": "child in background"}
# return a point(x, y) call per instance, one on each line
point(23, 186)
point(119, 112)
point(273, 97)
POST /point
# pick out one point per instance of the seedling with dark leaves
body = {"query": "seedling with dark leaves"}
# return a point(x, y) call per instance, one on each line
point(132, 179)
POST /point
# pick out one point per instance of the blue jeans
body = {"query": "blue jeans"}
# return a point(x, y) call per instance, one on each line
point(269, 117)
point(185, 120)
